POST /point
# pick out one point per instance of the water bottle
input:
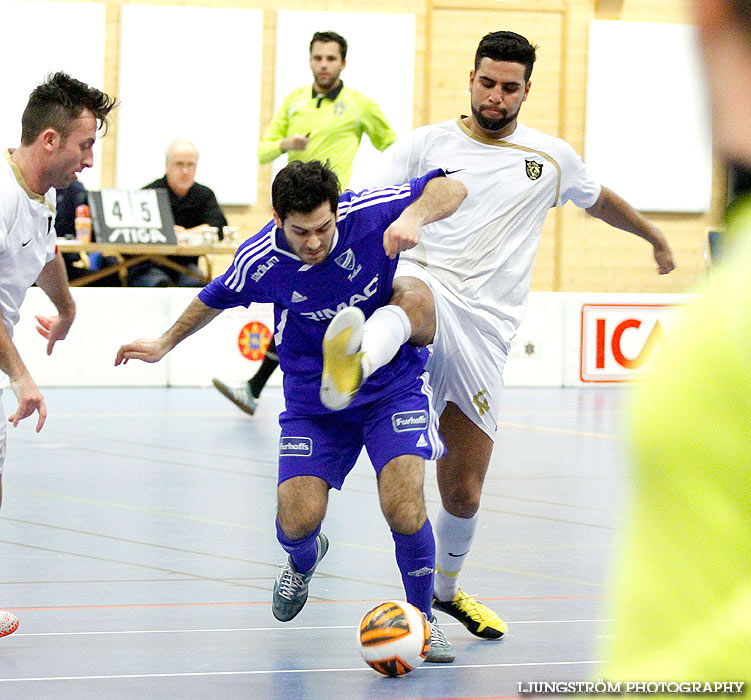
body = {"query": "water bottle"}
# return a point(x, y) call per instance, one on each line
point(83, 224)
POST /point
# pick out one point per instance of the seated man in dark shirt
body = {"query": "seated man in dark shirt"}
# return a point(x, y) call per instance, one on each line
point(194, 207)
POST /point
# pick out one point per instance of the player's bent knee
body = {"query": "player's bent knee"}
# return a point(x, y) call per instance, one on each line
point(299, 520)
point(406, 526)
point(297, 528)
point(416, 299)
point(461, 503)
point(300, 510)
point(405, 518)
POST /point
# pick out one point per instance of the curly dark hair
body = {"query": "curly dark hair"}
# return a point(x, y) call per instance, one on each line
point(326, 37)
point(303, 187)
point(58, 102)
point(507, 46)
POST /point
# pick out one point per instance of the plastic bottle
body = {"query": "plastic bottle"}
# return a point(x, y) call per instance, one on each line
point(83, 224)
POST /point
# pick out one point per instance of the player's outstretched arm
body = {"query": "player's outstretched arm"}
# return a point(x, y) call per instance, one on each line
point(195, 317)
point(440, 198)
point(616, 211)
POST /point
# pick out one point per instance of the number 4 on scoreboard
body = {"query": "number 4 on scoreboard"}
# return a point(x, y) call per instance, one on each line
point(137, 208)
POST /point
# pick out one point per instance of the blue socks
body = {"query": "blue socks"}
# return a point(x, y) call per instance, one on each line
point(415, 557)
point(303, 552)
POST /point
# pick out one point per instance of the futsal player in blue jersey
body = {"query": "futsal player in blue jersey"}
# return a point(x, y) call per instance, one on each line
point(324, 256)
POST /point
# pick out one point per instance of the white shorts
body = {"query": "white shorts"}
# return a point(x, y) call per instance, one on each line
point(466, 365)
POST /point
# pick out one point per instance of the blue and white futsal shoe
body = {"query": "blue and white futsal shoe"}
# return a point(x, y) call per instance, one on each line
point(343, 362)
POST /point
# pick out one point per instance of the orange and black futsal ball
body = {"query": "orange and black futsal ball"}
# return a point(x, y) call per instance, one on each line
point(394, 638)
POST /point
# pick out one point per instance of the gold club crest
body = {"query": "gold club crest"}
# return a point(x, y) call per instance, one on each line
point(534, 169)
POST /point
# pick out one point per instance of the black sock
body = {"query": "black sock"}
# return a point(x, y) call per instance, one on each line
point(268, 365)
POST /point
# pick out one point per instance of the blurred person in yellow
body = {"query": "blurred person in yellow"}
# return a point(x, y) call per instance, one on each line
point(683, 597)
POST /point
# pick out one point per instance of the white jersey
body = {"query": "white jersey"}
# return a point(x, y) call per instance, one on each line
point(484, 252)
point(27, 238)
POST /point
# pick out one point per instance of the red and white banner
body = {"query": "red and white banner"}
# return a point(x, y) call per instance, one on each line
point(617, 340)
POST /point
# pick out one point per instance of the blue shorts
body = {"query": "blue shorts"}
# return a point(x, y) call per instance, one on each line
point(328, 445)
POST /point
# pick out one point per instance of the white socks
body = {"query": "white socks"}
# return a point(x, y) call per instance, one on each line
point(453, 540)
point(382, 336)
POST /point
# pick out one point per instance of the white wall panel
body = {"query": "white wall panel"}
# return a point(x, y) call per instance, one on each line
point(106, 317)
point(45, 37)
point(193, 73)
point(215, 349)
point(648, 132)
point(536, 355)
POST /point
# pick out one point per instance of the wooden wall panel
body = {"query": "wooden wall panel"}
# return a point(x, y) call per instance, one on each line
point(455, 34)
point(454, 38)
point(576, 252)
point(527, 5)
point(252, 218)
point(593, 256)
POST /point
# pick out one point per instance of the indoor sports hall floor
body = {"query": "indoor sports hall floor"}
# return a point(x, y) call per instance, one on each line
point(137, 547)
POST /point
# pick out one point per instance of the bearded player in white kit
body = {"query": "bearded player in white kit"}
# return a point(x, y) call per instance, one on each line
point(58, 130)
point(465, 287)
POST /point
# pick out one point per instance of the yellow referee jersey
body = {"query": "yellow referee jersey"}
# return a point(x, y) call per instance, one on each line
point(334, 124)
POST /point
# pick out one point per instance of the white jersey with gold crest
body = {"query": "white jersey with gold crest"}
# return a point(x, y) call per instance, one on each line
point(483, 253)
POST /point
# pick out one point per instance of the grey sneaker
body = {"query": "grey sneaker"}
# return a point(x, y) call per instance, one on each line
point(441, 651)
point(291, 587)
point(241, 396)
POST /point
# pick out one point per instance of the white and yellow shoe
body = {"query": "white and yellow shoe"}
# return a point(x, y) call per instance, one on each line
point(343, 370)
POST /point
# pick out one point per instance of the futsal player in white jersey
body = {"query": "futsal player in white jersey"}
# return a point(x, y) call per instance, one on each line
point(464, 288)
point(58, 130)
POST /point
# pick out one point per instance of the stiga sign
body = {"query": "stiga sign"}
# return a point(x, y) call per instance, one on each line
point(617, 341)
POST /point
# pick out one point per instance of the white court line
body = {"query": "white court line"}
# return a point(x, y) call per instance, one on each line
point(204, 674)
point(264, 629)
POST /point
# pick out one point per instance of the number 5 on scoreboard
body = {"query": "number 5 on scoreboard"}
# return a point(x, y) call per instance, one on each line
point(145, 209)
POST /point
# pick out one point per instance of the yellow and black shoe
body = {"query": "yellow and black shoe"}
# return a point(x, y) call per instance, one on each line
point(479, 619)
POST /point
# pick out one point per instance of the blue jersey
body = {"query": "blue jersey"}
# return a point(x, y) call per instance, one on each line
point(357, 272)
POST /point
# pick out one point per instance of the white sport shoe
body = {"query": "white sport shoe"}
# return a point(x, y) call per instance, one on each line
point(8, 623)
point(241, 396)
point(343, 372)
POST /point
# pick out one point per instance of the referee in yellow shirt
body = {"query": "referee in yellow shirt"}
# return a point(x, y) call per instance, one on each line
point(324, 122)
